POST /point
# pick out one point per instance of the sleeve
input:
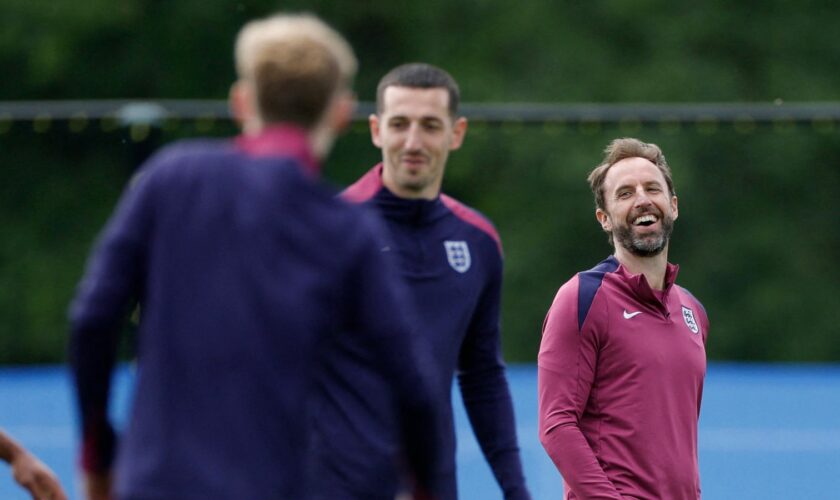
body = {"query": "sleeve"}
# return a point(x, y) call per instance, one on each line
point(378, 299)
point(565, 373)
point(484, 388)
point(111, 281)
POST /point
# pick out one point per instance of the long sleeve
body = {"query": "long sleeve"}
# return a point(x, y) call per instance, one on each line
point(111, 281)
point(566, 370)
point(484, 387)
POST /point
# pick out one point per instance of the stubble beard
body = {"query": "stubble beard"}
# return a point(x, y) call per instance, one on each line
point(644, 246)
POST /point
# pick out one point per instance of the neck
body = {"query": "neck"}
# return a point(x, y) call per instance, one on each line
point(321, 141)
point(652, 267)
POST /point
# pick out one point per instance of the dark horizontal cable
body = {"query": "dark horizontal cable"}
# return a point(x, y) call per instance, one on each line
point(131, 111)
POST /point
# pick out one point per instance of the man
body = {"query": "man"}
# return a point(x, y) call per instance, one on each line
point(243, 265)
point(30, 472)
point(450, 257)
point(622, 359)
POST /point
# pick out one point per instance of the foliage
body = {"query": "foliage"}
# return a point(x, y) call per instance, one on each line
point(757, 232)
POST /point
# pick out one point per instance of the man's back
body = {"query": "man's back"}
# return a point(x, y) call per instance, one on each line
point(233, 260)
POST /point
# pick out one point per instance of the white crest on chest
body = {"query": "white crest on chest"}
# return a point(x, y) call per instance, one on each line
point(688, 316)
point(458, 255)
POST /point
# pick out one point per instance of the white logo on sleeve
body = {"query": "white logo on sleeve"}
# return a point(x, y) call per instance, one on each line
point(628, 315)
point(688, 316)
point(458, 255)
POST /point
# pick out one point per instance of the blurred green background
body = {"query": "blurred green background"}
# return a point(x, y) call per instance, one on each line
point(759, 228)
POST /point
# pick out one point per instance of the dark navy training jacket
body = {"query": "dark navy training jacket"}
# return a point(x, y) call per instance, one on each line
point(243, 265)
point(450, 258)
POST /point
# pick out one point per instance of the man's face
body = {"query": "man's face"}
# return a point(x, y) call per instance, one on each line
point(415, 132)
point(640, 212)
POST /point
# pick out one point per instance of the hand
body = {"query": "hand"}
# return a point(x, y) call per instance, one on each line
point(36, 477)
point(97, 486)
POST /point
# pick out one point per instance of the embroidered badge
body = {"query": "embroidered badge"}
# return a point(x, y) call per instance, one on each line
point(690, 322)
point(458, 255)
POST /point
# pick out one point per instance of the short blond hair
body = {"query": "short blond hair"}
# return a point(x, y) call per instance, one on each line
point(296, 63)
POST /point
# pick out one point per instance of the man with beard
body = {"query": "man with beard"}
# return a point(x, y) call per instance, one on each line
point(622, 358)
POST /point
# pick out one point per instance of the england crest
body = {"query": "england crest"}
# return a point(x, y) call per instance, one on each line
point(458, 255)
point(690, 322)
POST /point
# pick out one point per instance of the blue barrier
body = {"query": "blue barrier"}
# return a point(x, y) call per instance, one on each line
point(767, 431)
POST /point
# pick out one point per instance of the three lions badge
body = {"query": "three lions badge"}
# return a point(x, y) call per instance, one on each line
point(690, 322)
point(458, 255)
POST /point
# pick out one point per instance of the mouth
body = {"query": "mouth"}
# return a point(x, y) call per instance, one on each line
point(413, 160)
point(645, 220)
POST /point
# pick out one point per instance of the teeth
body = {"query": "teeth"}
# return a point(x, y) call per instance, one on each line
point(645, 218)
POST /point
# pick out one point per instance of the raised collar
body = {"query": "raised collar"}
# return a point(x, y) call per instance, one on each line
point(405, 210)
point(280, 140)
point(642, 288)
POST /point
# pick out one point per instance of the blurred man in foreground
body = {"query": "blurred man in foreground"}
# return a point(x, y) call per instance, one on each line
point(622, 359)
point(30, 472)
point(243, 264)
point(450, 257)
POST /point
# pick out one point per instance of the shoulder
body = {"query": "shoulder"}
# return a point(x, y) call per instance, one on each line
point(189, 149)
point(366, 187)
point(473, 218)
point(579, 293)
point(182, 158)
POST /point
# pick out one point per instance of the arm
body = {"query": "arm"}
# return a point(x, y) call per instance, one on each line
point(111, 282)
point(484, 388)
point(30, 472)
point(566, 370)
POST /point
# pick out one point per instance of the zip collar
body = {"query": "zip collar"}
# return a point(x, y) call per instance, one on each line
point(280, 140)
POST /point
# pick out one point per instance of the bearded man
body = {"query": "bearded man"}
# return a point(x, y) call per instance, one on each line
point(622, 358)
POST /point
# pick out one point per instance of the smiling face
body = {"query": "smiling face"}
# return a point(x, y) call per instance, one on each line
point(639, 209)
point(415, 131)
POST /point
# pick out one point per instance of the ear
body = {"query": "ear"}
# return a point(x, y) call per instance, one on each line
point(343, 106)
point(674, 208)
point(240, 103)
point(459, 130)
point(374, 124)
point(603, 219)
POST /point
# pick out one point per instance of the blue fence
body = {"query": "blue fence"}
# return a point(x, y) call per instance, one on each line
point(766, 431)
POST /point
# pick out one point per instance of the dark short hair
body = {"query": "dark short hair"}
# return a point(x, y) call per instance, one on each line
point(419, 76)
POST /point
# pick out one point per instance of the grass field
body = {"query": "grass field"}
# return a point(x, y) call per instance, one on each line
point(766, 431)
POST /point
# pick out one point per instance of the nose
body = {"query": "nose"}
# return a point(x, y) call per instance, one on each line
point(642, 199)
point(412, 139)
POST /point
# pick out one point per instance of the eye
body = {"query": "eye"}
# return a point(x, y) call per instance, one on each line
point(398, 124)
point(654, 189)
point(623, 195)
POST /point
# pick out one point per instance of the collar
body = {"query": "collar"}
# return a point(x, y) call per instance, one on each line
point(280, 140)
point(405, 210)
point(640, 285)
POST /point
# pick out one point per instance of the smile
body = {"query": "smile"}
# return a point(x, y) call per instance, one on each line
point(645, 220)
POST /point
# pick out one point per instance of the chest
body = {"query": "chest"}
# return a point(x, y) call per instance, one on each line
point(447, 270)
point(441, 253)
point(652, 340)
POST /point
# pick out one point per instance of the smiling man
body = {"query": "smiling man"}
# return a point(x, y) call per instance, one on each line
point(449, 256)
point(622, 359)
